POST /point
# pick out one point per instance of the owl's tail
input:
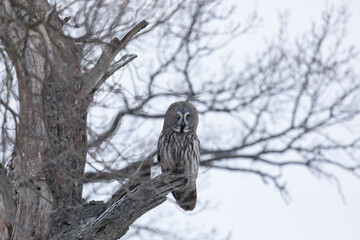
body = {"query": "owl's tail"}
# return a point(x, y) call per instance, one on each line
point(186, 198)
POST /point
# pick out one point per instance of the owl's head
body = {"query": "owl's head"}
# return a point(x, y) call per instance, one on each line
point(181, 117)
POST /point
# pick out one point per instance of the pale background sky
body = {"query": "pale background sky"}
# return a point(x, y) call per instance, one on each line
point(241, 206)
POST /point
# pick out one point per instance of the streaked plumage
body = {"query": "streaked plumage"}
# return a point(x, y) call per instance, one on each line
point(179, 150)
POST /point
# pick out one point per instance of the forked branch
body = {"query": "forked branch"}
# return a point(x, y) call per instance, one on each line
point(103, 68)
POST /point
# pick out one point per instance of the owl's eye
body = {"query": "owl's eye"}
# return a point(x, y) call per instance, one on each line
point(187, 116)
point(177, 116)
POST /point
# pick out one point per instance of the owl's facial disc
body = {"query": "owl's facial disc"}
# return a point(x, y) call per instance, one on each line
point(182, 124)
point(179, 117)
point(185, 122)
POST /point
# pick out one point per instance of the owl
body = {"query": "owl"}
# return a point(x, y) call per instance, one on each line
point(179, 150)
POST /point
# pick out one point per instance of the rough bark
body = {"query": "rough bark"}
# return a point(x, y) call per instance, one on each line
point(50, 150)
point(7, 206)
point(48, 161)
point(126, 205)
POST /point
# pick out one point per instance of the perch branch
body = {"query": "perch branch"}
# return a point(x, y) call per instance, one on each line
point(135, 200)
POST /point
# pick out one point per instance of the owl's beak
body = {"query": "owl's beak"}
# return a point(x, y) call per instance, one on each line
point(182, 123)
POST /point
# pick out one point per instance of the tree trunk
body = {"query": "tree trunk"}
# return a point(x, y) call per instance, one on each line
point(41, 199)
point(50, 150)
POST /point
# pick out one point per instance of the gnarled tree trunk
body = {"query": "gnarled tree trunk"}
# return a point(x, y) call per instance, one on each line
point(42, 198)
point(50, 150)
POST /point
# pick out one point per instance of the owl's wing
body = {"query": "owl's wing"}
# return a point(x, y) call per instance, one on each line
point(195, 157)
point(164, 155)
point(186, 197)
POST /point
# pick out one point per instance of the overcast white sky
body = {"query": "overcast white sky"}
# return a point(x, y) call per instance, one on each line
point(242, 206)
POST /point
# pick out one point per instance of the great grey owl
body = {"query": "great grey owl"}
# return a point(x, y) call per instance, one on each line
point(179, 150)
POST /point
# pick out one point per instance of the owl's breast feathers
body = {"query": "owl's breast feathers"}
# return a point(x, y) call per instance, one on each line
point(179, 151)
point(180, 154)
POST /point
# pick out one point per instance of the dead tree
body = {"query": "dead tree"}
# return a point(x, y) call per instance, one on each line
point(58, 69)
point(47, 165)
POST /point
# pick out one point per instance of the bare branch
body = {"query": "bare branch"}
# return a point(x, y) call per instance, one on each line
point(131, 170)
point(102, 69)
point(136, 200)
point(109, 132)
